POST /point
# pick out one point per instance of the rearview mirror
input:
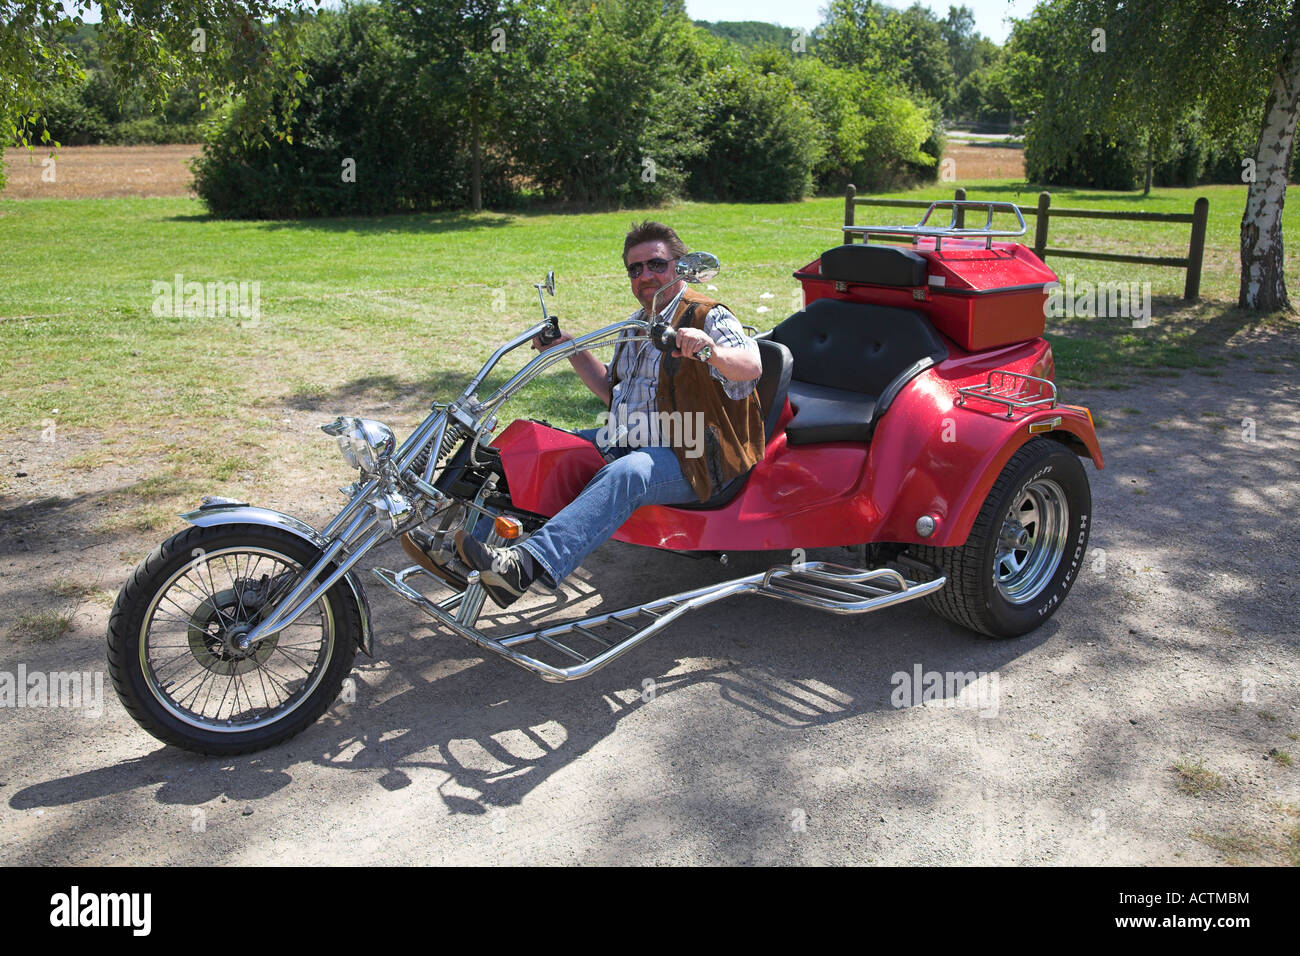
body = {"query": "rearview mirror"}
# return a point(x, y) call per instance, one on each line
point(698, 266)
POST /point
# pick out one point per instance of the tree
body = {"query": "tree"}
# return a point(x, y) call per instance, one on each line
point(489, 55)
point(1137, 68)
point(924, 55)
point(958, 31)
point(619, 117)
point(157, 47)
point(859, 35)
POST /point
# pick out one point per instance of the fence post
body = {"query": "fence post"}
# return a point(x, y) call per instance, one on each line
point(1040, 227)
point(1196, 250)
point(959, 214)
point(849, 193)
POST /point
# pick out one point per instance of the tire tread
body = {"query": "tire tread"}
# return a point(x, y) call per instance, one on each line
point(120, 646)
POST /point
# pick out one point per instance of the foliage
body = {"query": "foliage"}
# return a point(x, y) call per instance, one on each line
point(762, 139)
point(1096, 110)
point(363, 99)
point(618, 121)
point(912, 45)
point(869, 132)
point(157, 44)
point(750, 33)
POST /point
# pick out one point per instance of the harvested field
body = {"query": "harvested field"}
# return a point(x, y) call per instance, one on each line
point(985, 162)
point(99, 172)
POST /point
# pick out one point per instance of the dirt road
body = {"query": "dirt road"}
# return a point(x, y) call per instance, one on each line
point(1152, 721)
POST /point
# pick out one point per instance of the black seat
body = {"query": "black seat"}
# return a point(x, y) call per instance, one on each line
point(778, 367)
point(850, 360)
point(829, 414)
point(876, 265)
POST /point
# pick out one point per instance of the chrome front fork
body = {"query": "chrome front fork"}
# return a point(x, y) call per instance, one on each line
point(294, 604)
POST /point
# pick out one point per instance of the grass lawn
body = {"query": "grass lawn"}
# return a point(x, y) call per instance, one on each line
point(360, 312)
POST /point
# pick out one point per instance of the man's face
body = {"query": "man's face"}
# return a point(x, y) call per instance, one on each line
point(647, 283)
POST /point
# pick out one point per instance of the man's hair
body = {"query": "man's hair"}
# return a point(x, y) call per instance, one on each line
point(649, 231)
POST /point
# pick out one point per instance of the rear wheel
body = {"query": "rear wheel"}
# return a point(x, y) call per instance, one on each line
point(173, 641)
point(1025, 548)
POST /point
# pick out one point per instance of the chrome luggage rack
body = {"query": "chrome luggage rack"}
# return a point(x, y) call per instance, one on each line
point(952, 230)
point(815, 584)
point(1012, 389)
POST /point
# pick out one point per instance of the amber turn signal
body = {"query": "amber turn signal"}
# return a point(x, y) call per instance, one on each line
point(507, 528)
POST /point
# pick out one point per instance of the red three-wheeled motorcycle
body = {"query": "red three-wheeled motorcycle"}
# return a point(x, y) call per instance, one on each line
point(910, 415)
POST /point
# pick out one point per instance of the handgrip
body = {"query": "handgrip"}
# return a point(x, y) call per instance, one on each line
point(551, 333)
point(664, 337)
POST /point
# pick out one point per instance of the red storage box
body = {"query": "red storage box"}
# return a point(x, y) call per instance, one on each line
point(979, 297)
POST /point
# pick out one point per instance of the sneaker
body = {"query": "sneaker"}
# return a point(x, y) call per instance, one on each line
point(505, 573)
point(438, 561)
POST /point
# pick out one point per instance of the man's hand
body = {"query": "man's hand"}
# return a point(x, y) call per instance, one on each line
point(691, 340)
point(537, 341)
point(732, 363)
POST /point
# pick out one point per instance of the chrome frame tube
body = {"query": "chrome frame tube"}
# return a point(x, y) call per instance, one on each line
point(499, 354)
point(435, 448)
point(350, 508)
point(264, 630)
point(583, 343)
point(407, 451)
point(850, 592)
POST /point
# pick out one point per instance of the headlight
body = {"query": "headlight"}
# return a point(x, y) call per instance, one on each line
point(365, 443)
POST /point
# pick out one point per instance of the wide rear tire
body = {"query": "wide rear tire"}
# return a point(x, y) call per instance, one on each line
point(1025, 549)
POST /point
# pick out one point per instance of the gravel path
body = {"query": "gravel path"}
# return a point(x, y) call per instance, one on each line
point(752, 732)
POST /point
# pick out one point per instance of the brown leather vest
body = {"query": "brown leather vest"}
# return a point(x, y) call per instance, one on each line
point(733, 428)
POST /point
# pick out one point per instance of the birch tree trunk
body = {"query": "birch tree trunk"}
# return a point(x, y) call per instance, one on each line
point(1263, 285)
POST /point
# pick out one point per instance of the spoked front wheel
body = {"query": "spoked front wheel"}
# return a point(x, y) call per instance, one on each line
point(174, 651)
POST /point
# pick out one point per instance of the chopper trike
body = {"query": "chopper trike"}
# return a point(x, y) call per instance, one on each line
point(910, 414)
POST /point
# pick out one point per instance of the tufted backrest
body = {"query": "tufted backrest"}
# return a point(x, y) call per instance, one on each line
point(856, 346)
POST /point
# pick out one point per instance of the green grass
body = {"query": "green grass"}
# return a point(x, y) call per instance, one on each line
point(1230, 844)
point(42, 625)
point(401, 309)
point(1195, 778)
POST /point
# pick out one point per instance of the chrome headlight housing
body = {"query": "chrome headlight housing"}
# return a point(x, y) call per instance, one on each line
point(365, 443)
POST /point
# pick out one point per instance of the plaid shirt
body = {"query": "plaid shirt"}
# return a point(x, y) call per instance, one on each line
point(638, 367)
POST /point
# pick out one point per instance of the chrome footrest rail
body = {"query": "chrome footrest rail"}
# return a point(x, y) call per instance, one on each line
point(816, 584)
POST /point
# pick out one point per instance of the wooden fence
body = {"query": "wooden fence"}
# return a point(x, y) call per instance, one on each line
point(1045, 213)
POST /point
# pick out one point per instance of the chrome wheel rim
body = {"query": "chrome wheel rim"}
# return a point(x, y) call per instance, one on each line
point(189, 658)
point(1031, 541)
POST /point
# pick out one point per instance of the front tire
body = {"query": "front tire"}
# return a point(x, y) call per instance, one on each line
point(171, 650)
point(1025, 549)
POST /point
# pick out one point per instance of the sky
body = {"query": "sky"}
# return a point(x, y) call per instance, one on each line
point(989, 14)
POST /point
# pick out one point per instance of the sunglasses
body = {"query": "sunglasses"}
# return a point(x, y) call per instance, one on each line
point(657, 266)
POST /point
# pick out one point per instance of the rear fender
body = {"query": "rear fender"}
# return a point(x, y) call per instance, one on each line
point(946, 470)
point(226, 513)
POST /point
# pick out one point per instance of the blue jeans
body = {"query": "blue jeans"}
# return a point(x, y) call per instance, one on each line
point(636, 477)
